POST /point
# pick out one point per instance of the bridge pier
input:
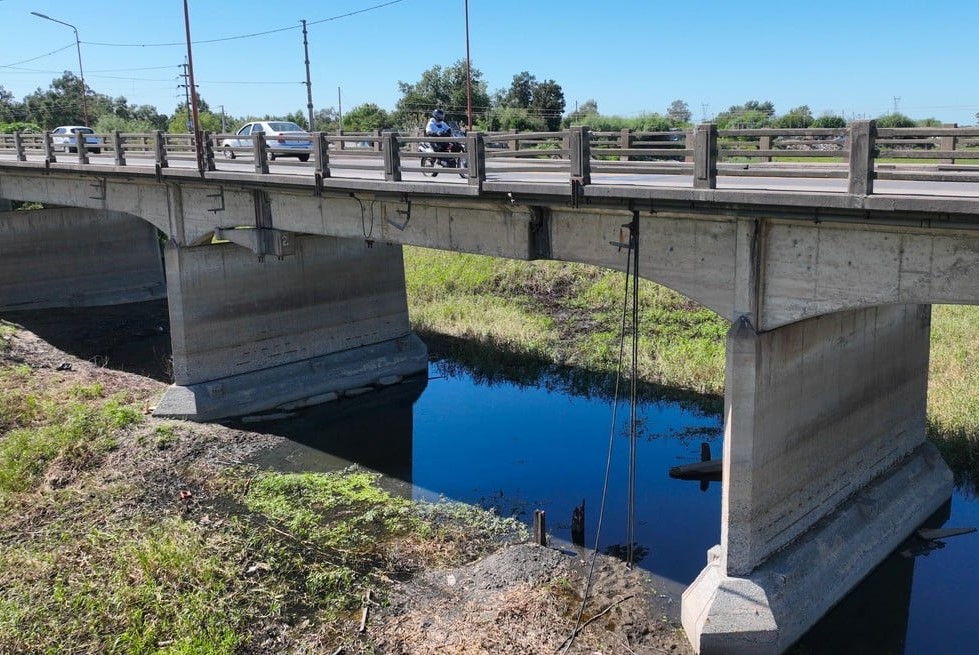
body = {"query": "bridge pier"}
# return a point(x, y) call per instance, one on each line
point(826, 471)
point(254, 335)
point(60, 257)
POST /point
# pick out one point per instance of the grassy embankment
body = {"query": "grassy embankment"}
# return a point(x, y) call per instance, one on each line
point(121, 533)
point(501, 312)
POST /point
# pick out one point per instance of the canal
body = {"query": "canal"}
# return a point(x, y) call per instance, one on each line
point(519, 448)
point(523, 447)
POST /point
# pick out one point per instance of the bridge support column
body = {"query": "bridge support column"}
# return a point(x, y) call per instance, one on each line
point(826, 471)
point(61, 258)
point(250, 336)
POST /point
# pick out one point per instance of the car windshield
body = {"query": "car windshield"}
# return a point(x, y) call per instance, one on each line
point(285, 127)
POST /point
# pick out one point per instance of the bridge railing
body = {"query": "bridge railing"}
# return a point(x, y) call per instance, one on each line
point(860, 153)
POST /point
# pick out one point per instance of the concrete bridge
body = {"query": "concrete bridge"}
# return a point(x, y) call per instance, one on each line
point(286, 287)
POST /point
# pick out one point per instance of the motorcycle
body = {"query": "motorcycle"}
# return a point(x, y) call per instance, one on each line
point(435, 161)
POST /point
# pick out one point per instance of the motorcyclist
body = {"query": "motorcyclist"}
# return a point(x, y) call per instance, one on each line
point(438, 127)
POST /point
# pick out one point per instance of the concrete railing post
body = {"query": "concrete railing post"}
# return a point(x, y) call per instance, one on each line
point(863, 149)
point(377, 140)
point(705, 156)
point(207, 142)
point(514, 143)
point(19, 147)
point(82, 148)
point(321, 153)
point(117, 151)
point(688, 140)
point(765, 143)
point(160, 149)
point(49, 155)
point(625, 142)
point(579, 146)
point(948, 143)
point(392, 158)
point(260, 151)
point(476, 149)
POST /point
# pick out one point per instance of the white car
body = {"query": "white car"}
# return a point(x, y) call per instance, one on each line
point(284, 139)
point(64, 138)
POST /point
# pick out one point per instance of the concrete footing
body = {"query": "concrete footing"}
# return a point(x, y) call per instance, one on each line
point(767, 611)
point(296, 385)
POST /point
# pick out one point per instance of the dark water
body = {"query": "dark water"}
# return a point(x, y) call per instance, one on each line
point(523, 448)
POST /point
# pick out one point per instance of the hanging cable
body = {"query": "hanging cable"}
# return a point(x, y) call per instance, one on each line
point(631, 254)
point(634, 391)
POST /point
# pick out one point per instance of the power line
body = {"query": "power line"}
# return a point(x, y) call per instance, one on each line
point(243, 36)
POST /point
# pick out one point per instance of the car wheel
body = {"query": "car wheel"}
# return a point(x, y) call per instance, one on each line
point(96, 151)
point(271, 156)
point(303, 157)
point(228, 152)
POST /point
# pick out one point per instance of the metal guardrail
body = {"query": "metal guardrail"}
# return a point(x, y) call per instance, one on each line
point(860, 153)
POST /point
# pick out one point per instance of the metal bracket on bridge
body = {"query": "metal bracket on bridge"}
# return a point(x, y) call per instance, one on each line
point(219, 194)
point(406, 213)
point(100, 186)
point(260, 240)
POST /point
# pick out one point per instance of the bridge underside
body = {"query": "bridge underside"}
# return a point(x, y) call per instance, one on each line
point(826, 471)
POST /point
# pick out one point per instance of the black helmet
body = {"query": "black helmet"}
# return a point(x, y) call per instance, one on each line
point(438, 115)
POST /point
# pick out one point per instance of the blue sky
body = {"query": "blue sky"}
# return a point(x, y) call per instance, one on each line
point(860, 58)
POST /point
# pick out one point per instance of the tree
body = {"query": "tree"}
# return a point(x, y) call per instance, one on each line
point(547, 101)
point(61, 104)
point(366, 118)
point(325, 120)
point(10, 110)
point(750, 115)
point(520, 94)
point(895, 119)
point(800, 117)
point(580, 115)
point(829, 120)
point(440, 87)
point(678, 113)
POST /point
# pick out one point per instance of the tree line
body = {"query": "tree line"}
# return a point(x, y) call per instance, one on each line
point(527, 104)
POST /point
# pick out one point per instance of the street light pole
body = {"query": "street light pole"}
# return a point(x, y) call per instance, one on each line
point(469, 77)
point(78, 46)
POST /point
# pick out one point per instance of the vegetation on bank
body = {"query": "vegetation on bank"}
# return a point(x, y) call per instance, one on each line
point(120, 536)
point(495, 314)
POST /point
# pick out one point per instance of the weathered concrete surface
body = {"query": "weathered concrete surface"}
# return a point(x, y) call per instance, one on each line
point(68, 257)
point(824, 447)
point(249, 336)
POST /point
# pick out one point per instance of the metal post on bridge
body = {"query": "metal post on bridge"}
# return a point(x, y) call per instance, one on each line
point(321, 152)
point(705, 156)
point(863, 149)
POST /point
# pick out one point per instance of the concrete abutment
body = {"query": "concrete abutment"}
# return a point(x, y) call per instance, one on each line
point(250, 336)
point(70, 257)
point(826, 471)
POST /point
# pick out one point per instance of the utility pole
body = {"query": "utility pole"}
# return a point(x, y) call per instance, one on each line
point(309, 84)
point(186, 87)
point(199, 147)
point(223, 124)
point(469, 77)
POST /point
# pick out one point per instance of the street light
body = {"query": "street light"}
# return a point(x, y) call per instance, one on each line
point(78, 46)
